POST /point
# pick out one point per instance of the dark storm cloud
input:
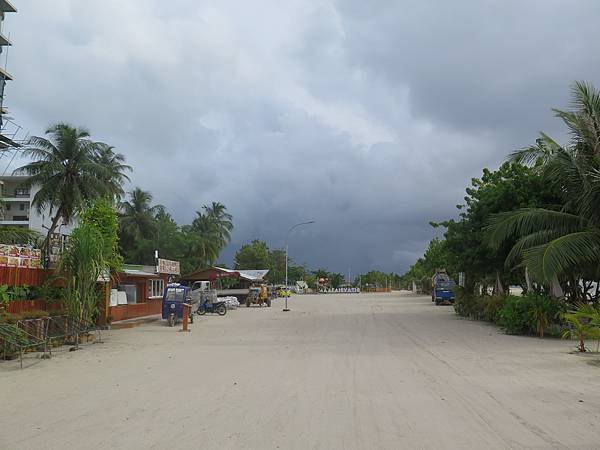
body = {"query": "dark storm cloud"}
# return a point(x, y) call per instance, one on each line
point(368, 117)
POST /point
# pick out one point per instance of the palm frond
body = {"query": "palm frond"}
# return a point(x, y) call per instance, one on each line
point(504, 226)
point(550, 260)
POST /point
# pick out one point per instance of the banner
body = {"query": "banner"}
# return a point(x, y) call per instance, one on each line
point(168, 267)
point(342, 290)
point(18, 256)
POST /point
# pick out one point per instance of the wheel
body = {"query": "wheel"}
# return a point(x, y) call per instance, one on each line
point(201, 311)
point(221, 310)
point(171, 320)
point(269, 302)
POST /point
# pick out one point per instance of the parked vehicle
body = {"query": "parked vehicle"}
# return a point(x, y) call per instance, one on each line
point(219, 308)
point(174, 298)
point(443, 291)
point(258, 295)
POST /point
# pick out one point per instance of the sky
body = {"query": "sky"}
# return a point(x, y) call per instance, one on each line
point(369, 118)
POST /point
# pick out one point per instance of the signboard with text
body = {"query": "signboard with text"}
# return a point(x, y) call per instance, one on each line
point(168, 267)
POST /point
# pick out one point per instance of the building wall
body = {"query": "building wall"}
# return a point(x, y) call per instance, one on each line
point(15, 196)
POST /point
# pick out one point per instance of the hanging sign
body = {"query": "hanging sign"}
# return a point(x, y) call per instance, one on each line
point(168, 267)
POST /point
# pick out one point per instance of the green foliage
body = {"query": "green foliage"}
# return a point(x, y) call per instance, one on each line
point(468, 304)
point(48, 292)
point(18, 236)
point(378, 279)
point(4, 295)
point(102, 215)
point(492, 307)
point(528, 314)
point(561, 242)
point(70, 169)
point(81, 264)
point(145, 228)
point(253, 256)
point(583, 323)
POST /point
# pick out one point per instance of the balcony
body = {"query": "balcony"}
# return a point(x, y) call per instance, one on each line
point(4, 42)
point(5, 75)
point(6, 6)
point(14, 221)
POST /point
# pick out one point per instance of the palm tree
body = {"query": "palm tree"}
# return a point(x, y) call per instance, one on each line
point(113, 168)
point(137, 219)
point(221, 221)
point(65, 170)
point(18, 235)
point(559, 241)
point(210, 232)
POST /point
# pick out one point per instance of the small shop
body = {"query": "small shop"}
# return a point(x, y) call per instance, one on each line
point(138, 290)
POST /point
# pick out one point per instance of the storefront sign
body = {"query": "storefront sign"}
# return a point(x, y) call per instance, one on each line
point(17, 256)
point(342, 290)
point(168, 267)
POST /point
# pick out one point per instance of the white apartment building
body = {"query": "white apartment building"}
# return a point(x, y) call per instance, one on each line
point(17, 210)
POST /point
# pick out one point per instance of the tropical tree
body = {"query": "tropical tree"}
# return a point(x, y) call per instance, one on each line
point(112, 170)
point(209, 233)
point(221, 222)
point(561, 242)
point(253, 256)
point(137, 219)
point(67, 169)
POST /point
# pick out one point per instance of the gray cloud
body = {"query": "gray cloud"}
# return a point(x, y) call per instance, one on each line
point(369, 118)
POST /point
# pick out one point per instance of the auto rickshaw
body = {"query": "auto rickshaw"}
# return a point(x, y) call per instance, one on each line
point(174, 298)
point(258, 295)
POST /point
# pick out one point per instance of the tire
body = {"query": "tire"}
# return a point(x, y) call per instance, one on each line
point(171, 320)
point(201, 311)
point(221, 310)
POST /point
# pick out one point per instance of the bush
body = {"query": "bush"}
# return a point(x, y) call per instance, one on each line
point(469, 305)
point(492, 308)
point(529, 314)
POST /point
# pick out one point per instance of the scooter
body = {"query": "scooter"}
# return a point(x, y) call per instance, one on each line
point(209, 307)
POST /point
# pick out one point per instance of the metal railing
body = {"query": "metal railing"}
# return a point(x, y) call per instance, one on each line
point(42, 334)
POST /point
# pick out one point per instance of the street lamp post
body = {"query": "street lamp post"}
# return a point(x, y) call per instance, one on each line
point(286, 257)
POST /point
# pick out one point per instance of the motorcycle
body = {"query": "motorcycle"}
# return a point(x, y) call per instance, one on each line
point(209, 307)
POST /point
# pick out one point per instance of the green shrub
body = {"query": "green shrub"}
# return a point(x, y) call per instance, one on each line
point(493, 306)
point(515, 315)
point(529, 314)
point(469, 305)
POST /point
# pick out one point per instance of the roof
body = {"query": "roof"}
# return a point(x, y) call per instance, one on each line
point(250, 275)
point(139, 270)
point(212, 273)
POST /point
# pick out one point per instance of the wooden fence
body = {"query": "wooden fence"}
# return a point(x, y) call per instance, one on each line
point(23, 276)
point(21, 306)
point(147, 308)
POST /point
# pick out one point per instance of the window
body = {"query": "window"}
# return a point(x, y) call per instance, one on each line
point(156, 288)
point(22, 206)
point(8, 206)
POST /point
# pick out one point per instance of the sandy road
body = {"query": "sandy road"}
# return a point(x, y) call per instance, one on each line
point(340, 371)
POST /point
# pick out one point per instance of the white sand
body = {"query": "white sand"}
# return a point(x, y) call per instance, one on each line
point(339, 371)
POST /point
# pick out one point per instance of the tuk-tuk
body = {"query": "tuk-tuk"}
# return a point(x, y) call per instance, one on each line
point(174, 297)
